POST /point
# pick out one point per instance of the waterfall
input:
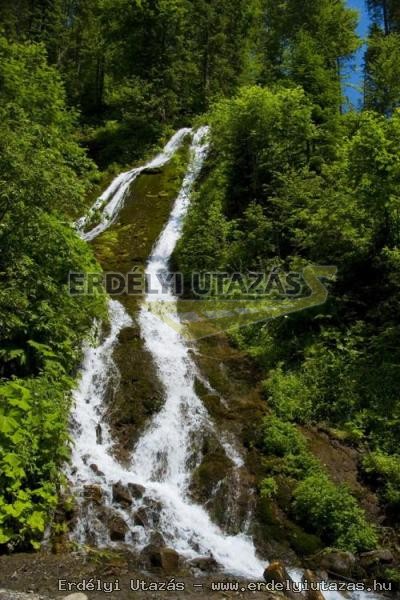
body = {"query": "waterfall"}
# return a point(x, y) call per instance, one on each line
point(173, 440)
point(170, 448)
point(164, 458)
point(109, 204)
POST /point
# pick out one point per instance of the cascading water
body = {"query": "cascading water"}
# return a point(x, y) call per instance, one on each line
point(170, 449)
point(111, 201)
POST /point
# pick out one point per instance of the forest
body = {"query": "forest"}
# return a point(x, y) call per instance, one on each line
point(295, 175)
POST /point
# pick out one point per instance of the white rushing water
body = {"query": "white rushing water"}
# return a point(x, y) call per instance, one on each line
point(169, 450)
point(171, 447)
point(109, 204)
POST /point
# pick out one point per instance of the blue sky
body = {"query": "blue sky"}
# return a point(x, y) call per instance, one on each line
point(354, 71)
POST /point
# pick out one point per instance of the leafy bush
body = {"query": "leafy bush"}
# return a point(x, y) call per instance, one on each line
point(328, 510)
point(289, 395)
point(269, 487)
point(33, 445)
point(333, 513)
point(385, 471)
point(281, 438)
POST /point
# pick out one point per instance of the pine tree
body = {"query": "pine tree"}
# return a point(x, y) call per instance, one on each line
point(306, 42)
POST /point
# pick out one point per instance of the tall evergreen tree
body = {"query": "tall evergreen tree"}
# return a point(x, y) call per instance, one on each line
point(385, 13)
point(382, 89)
point(306, 42)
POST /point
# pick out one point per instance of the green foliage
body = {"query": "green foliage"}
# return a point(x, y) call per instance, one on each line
point(203, 245)
point(269, 488)
point(146, 64)
point(384, 471)
point(281, 438)
point(383, 72)
point(289, 394)
point(385, 14)
point(44, 176)
point(306, 46)
point(382, 92)
point(255, 136)
point(322, 507)
point(280, 197)
point(289, 181)
point(283, 441)
point(37, 138)
point(393, 576)
point(33, 445)
point(333, 513)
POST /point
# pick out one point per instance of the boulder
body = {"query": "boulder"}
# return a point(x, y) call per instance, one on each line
point(157, 539)
point(170, 560)
point(376, 557)
point(276, 573)
point(313, 593)
point(140, 517)
point(121, 495)
point(137, 491)
point(163, 558)
point(336, 562)
point(77, 596)
point(12, 595)
point(96, 470)
point(207, 564)
point(117, 528)
point(93, 493)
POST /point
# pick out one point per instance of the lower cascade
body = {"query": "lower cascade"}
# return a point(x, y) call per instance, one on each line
point(149, 498)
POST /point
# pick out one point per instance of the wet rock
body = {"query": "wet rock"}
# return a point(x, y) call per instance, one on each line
point(140, 517)
point(153, 510)
point(93, 493)
point(337, 562)
point(118, 529)
point(376, 557)
point(207, 564)
point(121, 495)
point(170, 560)
point(212, 470)
point(137, 491)
point(313, 593)
point(148, 515)
point(153, 171)
point(128, 334)
point(276, 573)
point(157, 539)
point(99, 435)
point(96, 470)
point(163, 558)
